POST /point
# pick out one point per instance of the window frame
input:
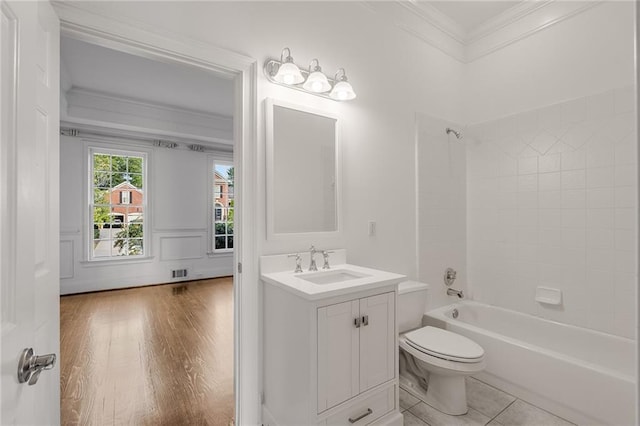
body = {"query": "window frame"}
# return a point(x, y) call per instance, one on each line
point(225, 160)
point(126, 151)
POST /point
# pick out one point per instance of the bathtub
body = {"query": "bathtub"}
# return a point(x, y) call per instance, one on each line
point(584, 376)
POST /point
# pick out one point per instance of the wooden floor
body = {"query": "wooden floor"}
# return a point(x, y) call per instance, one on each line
point(160, 355)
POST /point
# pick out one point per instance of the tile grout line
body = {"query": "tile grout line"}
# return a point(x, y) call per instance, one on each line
point(505, 408)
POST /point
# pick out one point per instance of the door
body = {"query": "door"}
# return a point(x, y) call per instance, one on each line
point(377, 340)
point(338, 352)
point(29, 219)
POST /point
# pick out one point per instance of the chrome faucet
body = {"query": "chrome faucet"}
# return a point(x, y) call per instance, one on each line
point(453, 292)
point(312, 264)
point(325, 254)
point(298, 262)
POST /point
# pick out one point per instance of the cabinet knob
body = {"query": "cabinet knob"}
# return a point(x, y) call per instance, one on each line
point(365, 320)
point(356, 322)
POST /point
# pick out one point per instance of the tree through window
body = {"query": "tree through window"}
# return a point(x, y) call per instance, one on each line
point(118, 204)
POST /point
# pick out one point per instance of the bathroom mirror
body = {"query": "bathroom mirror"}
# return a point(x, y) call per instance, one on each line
point(302, 170)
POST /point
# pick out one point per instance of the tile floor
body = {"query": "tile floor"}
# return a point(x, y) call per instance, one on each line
point(487, 406)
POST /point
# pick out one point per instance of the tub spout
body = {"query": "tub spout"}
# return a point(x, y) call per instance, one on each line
point(453, 292)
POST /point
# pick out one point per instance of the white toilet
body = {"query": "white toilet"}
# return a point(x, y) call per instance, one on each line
point(434, 355)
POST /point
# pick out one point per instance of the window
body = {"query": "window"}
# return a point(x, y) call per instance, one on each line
point(222, 207)
point(118, 203)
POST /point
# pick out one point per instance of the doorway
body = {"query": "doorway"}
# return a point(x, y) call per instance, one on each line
point(240, 72)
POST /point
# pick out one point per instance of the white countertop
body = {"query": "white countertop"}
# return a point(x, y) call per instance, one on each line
point(294, 282)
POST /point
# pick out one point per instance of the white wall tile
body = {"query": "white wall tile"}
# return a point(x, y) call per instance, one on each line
point(600, 238)
point(600, 198)
point(566, 212)
point(574, 199)
point(572, 160)
point(528, 183)
point(550, 218)
point(574, 237)
point(600, 218)
point(549, 163)
point(626, 197)
point(527, 166)
point(626, 175)
point(574, 179)
point(550, 181)
point(626, 218)
point(550, 199)
point(574, 218)
point(600, 177)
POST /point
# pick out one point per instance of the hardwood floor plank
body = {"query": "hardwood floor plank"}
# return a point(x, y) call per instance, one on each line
point(159, 355)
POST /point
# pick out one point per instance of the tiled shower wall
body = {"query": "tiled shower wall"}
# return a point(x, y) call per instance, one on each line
point(551, 201)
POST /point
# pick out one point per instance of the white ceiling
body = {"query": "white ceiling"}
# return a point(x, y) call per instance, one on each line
point(470, 14)
point(96, 68)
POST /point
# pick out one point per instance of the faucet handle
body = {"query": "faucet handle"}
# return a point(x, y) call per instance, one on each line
point(298, 262)
point(325, 254)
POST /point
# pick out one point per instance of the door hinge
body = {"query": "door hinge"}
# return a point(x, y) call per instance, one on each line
point(239, 267)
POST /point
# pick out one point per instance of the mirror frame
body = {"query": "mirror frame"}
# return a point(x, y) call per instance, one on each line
point(270, 103)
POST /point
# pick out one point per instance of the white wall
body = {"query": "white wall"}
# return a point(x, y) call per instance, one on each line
point(552, 171)
point(393, 74)
point(177, 212)
point(586, 54)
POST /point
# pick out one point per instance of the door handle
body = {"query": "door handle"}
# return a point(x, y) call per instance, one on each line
point(365, 320)
point(356, 322)
point(30, 366)
point(361, 416)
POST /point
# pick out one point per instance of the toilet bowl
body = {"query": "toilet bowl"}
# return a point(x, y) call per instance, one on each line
point(436, 357)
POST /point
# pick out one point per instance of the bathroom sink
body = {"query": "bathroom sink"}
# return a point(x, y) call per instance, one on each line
point(343, 278)
point(332, 276)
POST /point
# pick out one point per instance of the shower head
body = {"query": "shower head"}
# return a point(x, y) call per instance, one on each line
point(457, 134)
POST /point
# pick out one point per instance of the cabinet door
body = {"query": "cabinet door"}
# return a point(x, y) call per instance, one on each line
point(338, 353)
point(377, 340)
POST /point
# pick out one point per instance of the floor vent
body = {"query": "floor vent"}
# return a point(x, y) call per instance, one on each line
point(178, 273)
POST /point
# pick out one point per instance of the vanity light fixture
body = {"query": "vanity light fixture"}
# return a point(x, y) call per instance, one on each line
point(316, 81)
point(286, 73)
point(342, 90)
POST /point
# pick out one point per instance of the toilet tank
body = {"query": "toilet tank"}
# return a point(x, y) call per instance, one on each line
point(412, 304)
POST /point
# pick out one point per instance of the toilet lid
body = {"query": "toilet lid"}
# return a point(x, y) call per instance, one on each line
point(444, 344)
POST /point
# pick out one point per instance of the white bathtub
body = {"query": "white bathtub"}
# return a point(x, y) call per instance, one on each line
point(585, 376)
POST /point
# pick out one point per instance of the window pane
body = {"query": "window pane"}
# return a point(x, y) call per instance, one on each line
point(220, 228)
point(101, 162)
point(101, 214)
point(101, 248)
point(220, 243)
point(135, 230)
point(100, 196)
point(135, 179)
point(230, 228)
point(135, 165)
point(230, 242)
point(135, 247)
point(102, 179)
point(118, 164)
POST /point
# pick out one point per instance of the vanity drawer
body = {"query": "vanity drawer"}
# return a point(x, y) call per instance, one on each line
point(364, 412)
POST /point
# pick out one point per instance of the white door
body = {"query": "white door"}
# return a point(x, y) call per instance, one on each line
point(29, 219)
point(338, 352)
point(377, 340)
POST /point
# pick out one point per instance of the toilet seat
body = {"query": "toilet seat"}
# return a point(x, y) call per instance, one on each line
point(445, 345)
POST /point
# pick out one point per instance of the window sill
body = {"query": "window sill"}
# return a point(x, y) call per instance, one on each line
point(220, 253)
point(116, 261)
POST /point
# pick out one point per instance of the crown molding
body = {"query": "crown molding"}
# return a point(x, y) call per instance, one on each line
point(431, 26)
point(83, 105)
point(520, 22)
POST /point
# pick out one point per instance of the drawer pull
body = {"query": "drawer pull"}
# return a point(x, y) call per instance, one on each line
point(361, 416)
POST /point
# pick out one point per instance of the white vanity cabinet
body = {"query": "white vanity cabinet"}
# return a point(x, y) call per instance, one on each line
point(330, 359)
point(355, 347)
